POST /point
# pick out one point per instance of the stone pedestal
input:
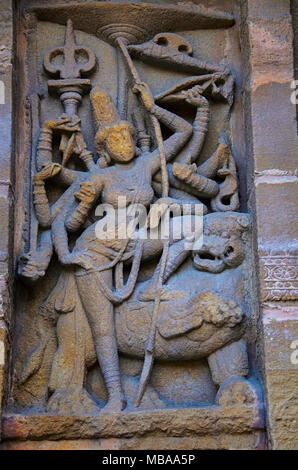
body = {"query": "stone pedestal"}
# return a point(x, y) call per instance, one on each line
point(237, 427)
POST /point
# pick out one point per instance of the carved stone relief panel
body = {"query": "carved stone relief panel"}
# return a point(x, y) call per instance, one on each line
point(135, 110)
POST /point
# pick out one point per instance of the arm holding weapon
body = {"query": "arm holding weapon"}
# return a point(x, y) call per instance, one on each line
point(33, 265)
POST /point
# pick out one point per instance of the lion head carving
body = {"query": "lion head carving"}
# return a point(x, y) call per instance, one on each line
point(223, 242)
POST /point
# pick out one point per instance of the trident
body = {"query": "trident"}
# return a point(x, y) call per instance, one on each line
point(70, 87)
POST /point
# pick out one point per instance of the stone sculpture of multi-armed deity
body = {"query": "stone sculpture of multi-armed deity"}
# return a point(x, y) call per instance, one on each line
point(137, 321)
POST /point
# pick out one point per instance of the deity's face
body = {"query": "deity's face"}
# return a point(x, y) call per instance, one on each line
point(120, 145)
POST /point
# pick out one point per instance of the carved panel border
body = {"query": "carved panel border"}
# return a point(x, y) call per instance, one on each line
point(279, 274)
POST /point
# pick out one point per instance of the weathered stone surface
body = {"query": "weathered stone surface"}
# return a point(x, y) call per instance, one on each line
point(274, 127)
point(277, 34)
point(294, 11)
point(185, 326)
point(236, 390)
point(6, 42)
point(59, 390)
point(6, 227)
point(4, 338)
point(281, 372)
point(225, 441)
point(268, 8)
point(3, 356)
point(272, 131)
point(193, 386)
point(282, 395)
point(81, 444)
point(276, 206)
point(171, 422)
point(232, 360)
point(274, 135)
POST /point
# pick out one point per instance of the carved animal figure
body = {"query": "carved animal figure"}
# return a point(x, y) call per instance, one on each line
point(203, 323)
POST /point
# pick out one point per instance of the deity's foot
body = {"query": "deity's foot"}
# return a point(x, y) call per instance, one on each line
point(237, 391)
point(72, 400)
point(115, 404)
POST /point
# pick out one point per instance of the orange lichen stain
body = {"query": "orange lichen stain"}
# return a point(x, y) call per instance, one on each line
point(12, 427)
point(261, 77)
point(80, 444)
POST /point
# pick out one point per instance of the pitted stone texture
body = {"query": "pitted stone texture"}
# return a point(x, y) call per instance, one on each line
point(268, 8)
point(274, 132)
point(282, 386)
point(211, 420)
point(244, 441)
point(276, 34)
point(6, 201)
point(236, 390)
point(281, 374)
point(5, 34)
point(190, 382)
point(3, 355)
point(6, 42)
point(276, 205)
point(277, 153)
point(274, 147)
point(4, 339)
point(270, 40)
point(229, 361)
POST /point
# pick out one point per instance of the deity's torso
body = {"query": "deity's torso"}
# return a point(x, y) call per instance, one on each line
point(132, 183)
point(122, 187)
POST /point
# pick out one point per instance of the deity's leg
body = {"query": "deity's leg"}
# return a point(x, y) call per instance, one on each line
point(100, 314)
point(69, 366)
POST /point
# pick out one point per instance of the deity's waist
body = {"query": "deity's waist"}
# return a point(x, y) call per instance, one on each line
point(125, 253)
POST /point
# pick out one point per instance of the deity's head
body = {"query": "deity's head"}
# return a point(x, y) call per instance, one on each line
point(115, 139)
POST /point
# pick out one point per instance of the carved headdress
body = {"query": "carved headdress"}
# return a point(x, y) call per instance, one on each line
point(106, 117)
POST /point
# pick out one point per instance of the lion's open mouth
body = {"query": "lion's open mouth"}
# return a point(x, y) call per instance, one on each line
point(206, 261)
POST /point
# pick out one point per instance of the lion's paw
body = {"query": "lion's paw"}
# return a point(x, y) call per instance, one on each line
point(237, 391)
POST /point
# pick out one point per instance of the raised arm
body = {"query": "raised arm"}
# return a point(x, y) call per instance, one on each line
point(45, 213)
point(40, 197)
point(45, 142)
point(181, 129)
point(47, 169)
point(192, 150)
